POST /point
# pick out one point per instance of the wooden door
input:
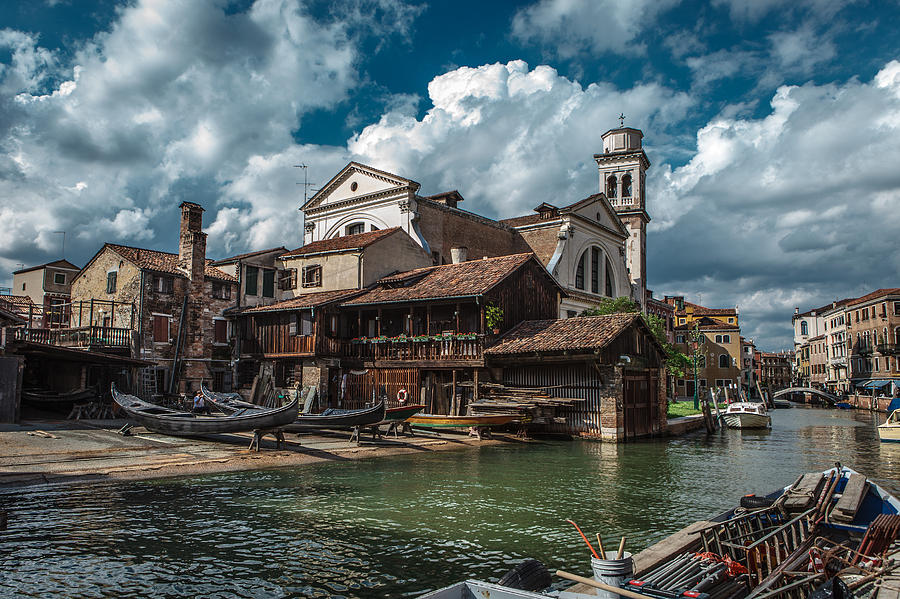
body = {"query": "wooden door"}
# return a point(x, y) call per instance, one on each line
point(637, 403)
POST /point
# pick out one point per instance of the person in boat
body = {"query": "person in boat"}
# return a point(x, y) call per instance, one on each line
point(199, 406)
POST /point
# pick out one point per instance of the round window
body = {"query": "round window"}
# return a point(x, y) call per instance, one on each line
point(353, 186)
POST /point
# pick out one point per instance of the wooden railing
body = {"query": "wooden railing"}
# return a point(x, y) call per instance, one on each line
point(277, 344)
point(435, 348)
point(86, 337)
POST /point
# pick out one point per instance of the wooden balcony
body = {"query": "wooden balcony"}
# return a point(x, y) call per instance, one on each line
point(278, 345)
point(90, 337)
point(442, 350)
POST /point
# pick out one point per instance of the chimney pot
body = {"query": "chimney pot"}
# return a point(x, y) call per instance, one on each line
point(459, 254)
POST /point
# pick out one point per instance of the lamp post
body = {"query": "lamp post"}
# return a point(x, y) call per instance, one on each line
point(695, 337)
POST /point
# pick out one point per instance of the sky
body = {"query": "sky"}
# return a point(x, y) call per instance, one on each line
point(772, 126)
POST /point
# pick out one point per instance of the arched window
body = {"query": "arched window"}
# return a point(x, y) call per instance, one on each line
point(724, 361)
point(804, 328)
point(611, 186)
point(595, 270)
point(610, 283)
point(897, 335)
point(355, 229)
point(626, 186)
point(579, 271)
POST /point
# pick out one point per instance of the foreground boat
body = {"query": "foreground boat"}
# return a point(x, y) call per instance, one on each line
point(747, 415)
point(438, 421)
point(889, 432)
point(160, 419)
point(334, 418)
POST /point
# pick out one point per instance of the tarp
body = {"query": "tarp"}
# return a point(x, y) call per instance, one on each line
point(894, 405)
point(872, 384)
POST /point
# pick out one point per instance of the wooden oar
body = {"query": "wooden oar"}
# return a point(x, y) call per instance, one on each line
point(621, 549)
point(584, 537)
point(600, 585)
point(600, 547)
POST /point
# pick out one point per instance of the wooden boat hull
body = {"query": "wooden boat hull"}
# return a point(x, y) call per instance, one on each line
point(339, 419)
point(46, 397)
point(438, 421)
point(173, 422)
point(227, 402)
point(402, 413)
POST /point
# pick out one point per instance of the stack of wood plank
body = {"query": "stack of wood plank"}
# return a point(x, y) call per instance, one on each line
point(804, 493)
point(535, 404)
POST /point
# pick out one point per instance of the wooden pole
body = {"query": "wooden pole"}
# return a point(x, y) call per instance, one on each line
point(475, 387)
point(600, 585)
point(457, 317)
point(378, 327)
point(621, 548)
point(454, 407)
point(91, 316)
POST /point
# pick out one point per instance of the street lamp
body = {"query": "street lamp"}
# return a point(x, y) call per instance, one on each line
point(696, 336)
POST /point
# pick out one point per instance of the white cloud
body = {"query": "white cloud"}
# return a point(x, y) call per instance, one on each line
point(572, 27)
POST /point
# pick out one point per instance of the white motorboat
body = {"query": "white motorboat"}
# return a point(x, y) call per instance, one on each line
point(889, 432)
point(747, 415)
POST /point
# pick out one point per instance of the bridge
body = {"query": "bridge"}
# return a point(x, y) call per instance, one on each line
point(823, 394)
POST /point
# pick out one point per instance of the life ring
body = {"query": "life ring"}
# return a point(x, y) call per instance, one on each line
point(402, 395)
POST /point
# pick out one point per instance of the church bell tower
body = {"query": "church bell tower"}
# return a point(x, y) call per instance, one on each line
point(623, 166)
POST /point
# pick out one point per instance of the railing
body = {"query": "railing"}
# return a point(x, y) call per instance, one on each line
point(85, 337)
point(455, 347)
point(274, 345)
point(888, 348)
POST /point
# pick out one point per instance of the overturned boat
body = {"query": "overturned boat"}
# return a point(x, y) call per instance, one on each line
point(169, 421)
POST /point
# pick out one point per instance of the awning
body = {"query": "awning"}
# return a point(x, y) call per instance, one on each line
point(873, 384)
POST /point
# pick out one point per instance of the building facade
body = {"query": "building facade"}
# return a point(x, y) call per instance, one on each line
point(49, 287)
point(873, 332)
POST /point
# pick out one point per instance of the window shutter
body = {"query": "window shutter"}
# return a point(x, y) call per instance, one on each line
point(160, 328)
point(292, 328)
point(221, 331)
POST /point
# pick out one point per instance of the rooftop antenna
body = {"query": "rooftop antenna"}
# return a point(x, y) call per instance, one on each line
point(306, 184)
point(63, 233)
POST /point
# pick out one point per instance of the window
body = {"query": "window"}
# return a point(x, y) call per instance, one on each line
point(163, 284)
point(355, 229)
point(611, 187)
point(59, 278)
point(160, 328)
point(865, 314)
point(312, 276)
point(610, 286)
point(221, 290)
point(679, 338)
point(571, 313)
point(304, 324)
point(701, 361)
point(595, 270)
point(726, 338)
point(288, 279)
point(724, 361)
point(896, 307)
point(718, 338)
point(730, 320)
point(111, 282)
point(220, 330)
point(681, 321)
point(251, 285)
point(268, 286)
point(579, 271)
point(804, 328)
point(626, 186)
point(373, 228)
point(23, 286)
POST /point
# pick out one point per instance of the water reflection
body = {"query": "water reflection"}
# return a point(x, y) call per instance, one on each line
point(393, 528)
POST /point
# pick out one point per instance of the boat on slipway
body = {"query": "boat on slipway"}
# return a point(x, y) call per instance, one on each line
point(747, 415)
point(44, 396)
point(335, 418)
point(889, 431)
point(481, 420)
point(169, 421)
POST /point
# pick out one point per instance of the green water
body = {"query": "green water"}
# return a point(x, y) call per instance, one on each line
point(399, 526)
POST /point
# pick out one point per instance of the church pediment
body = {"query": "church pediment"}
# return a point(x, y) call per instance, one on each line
point(596, 208)
point(358, 182)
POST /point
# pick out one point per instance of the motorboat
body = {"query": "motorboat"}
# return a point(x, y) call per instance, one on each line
point(889, 432)
point(747, 415)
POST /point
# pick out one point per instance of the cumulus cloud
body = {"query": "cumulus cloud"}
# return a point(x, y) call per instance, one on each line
point(570, 27)
point(809, 191)
point(509, 137)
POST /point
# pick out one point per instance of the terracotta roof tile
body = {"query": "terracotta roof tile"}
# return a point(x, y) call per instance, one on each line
point(579, 333)
point(164, 262)
point(17, 304)
point(224, 261)
point(874, 295)
point(307, 300)
point(474, 277)
point(528, 219)
point(63, 263)
point(346, 242)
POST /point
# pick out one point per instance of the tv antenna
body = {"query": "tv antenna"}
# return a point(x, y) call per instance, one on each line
point(306, 184)
point(63, 233)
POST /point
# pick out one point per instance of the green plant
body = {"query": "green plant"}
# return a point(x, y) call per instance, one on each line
point(493, 315)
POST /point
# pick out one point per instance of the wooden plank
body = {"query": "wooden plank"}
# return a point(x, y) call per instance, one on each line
point(803, 494)
point(848, 504)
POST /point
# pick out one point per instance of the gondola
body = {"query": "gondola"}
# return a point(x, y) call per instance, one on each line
point(402, 413)
point(43, 396)
point(228, 402)
point(175, 422)
point(339, 419)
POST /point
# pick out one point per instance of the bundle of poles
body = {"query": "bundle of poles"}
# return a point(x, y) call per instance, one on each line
point(697, 573)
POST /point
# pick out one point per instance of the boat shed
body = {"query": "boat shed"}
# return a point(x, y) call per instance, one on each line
point(610, 369)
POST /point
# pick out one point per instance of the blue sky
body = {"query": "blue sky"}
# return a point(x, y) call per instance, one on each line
point(771, 126)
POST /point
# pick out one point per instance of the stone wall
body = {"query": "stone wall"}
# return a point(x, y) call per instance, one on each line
point(445, 228)
point(91, 284)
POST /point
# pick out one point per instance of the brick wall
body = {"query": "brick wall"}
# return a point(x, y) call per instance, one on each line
point(444, 228)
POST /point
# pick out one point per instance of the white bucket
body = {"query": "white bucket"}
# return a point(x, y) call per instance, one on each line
point(614, 572)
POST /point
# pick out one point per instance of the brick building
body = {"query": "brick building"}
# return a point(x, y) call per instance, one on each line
point(774, 371)
point(873, 332)
point(818, 361)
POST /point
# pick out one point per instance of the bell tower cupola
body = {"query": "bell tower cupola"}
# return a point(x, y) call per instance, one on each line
point(622, 168)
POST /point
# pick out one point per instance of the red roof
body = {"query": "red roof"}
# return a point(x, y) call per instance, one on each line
point(305, 301)
point(17, 304)
point(465, 279)
point(579, 333)
point(164, 262)
point(232, 259)
point(346, 242)
point(874, 295)
point(63, 263)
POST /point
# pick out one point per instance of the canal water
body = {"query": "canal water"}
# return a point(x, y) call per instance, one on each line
point(395, 527)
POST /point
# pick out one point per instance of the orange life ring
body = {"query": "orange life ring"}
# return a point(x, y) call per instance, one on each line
point(402, 395)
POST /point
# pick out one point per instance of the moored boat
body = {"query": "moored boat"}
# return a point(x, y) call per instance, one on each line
point(439, 421)
point(169, 421)
point(747, 415)
point(889, 431)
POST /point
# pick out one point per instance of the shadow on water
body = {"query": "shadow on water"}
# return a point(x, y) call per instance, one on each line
point(397, 527)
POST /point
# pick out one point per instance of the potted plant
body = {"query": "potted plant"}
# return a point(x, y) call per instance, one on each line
point(493, 317)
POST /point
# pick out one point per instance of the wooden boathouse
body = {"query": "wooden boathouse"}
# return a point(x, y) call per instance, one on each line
point(610, 369)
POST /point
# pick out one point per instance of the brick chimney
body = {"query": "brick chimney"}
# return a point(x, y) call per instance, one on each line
point(192, 246)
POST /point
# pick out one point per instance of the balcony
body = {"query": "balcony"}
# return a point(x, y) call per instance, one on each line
point(438, 350)
point(90, 337)
point(282, 346)
point(838, 361)
point(886, 349)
